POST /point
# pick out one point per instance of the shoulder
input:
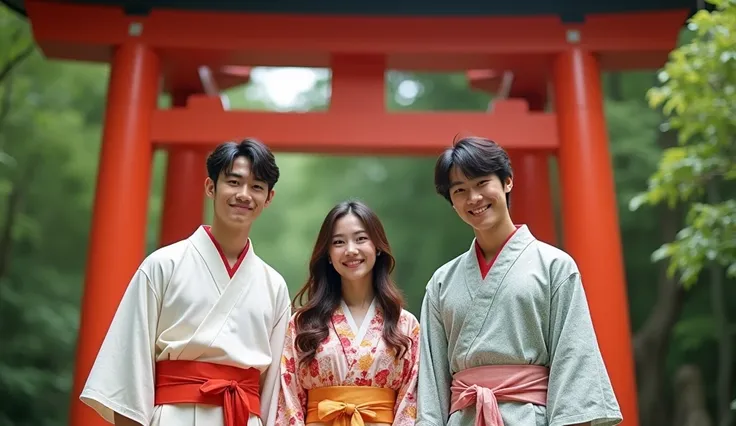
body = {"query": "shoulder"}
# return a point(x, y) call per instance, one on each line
point(408, 318)
point(447, 270)
point(274, 279)
point(558, 264)
point(444, 274)
point(159, 266)
point(274, 276)
point(408, 323)
point(291, 326)
point(275, 283)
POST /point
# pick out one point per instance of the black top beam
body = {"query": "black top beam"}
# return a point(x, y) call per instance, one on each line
point(568, 10)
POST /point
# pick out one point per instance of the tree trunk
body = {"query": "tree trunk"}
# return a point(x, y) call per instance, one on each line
point(651, 342)
point(12, 210)
point(690, 409)
point(615, 86)
point(725, 350)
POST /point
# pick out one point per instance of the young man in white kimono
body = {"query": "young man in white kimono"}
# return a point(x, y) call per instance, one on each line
point(507, 337)
point(198, 335)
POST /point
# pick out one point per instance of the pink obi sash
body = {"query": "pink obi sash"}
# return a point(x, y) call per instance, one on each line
point(489, 384)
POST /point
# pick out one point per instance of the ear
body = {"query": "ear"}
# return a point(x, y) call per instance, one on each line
point(508, 184)
point(209, 188)
point(269, 198)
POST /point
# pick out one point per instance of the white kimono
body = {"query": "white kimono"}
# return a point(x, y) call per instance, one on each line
point(182, 304)
point(529, 309)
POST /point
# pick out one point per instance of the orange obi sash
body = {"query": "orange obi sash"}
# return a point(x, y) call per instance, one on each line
point(350, 405)
point(234, 389)
point(487, 385)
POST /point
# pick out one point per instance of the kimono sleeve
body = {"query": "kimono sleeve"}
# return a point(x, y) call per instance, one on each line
point(405, 410)
point(270, 381)
point(292, 406)
point(579, 387)
point(122, 377)
point(433, 387)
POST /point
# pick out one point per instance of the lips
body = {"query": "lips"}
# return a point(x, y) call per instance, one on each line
point(353, 263)
point(480, 210)
point(240, 207)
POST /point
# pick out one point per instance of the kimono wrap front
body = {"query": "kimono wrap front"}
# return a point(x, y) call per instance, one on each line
point(530, 309)
point(186, 303)
point(351, 355)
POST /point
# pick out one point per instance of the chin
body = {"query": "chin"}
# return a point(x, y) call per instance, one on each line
point(484, 225)
point(354, 275)
point(240, 222)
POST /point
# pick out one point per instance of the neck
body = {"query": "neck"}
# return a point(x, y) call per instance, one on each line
point(358, 294)
point(232, 241)
point(491, 240)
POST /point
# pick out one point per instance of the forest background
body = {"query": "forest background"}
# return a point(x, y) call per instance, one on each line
point(681, 295)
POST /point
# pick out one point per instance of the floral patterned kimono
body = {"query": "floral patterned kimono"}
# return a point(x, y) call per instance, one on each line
point(351, 356)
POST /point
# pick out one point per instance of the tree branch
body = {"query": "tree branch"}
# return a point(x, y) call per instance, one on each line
point(17, 59)
point(5, 104)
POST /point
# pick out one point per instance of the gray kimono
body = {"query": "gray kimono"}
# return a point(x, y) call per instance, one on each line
point(529, 309)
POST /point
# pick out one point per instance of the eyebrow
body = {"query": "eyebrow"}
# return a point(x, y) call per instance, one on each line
point(239, 176)
point(362, 231)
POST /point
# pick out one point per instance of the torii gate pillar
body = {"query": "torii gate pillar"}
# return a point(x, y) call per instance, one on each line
point(118, 232)
point(183, 205)
point(589, 212)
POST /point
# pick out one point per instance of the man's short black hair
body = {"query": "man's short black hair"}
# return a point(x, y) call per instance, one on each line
point(475, 157)
point(263, 163)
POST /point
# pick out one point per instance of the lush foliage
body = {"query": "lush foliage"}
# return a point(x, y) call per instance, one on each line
point(698, 97)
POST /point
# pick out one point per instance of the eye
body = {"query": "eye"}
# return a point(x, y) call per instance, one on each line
point(483, 182)
point(336, 242)
point(459, 190)
point(258, 187)
point(232, 182)
point(362, 238)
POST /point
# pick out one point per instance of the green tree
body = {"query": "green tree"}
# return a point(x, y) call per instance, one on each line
point(697, 97)
point(49, 135)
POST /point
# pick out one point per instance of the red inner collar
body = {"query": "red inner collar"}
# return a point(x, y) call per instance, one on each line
point(230, 270)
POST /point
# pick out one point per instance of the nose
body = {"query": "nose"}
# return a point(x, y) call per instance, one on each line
point(243, 194)
point(474, 196)
point(351, 248)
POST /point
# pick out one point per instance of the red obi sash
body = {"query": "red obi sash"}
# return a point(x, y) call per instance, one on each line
point(234, 389)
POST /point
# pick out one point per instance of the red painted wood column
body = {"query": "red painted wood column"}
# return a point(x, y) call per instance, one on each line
point(531, 197)
point(590, 217)
point(118, 233)
point(183, 209)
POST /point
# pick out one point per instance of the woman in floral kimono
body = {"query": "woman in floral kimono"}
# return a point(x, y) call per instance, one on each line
point(351, 350)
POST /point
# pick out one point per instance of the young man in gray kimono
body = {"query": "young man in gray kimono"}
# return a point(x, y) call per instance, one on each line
point(507, 337)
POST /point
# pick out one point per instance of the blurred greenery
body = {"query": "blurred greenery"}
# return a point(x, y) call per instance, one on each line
point(51, 116)
point(697, 94)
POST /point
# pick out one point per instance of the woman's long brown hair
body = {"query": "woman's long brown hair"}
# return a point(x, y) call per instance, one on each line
point(323, 289)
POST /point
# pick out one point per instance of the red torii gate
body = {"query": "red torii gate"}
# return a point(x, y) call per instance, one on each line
point(542, 51)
